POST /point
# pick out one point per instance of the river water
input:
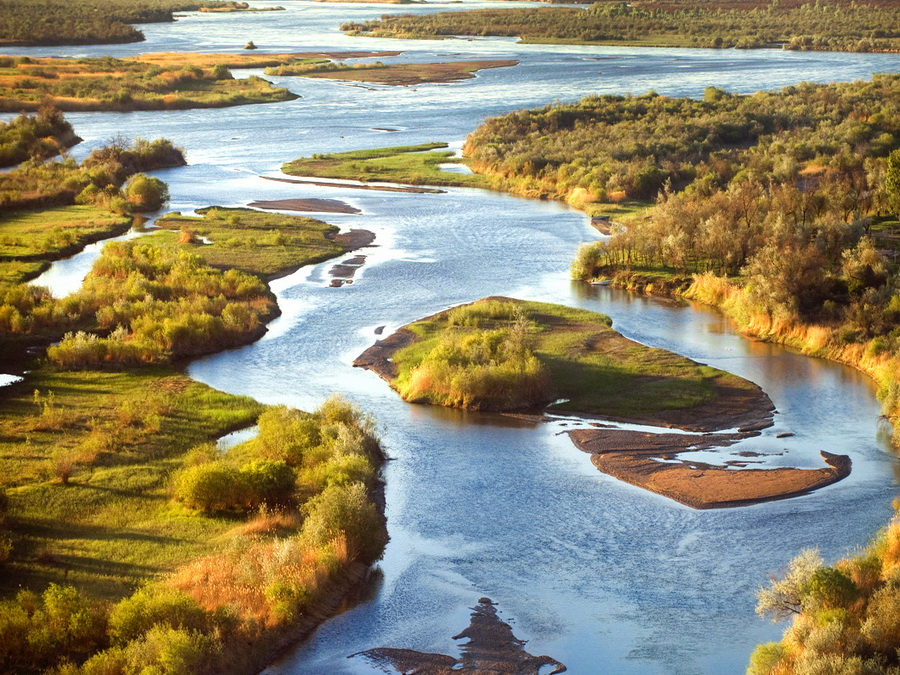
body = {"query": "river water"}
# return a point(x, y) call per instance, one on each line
point(600, 575)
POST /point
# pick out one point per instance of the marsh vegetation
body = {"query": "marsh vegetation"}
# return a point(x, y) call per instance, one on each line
point(411, 164)
point(839, 25)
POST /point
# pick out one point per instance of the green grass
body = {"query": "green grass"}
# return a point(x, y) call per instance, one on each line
point(590, 365)
point(52, 233)
point(411, 164)
point(17, 272)
point(109, 84)
point(267, 244)
point(617, 210)
point(113, 526)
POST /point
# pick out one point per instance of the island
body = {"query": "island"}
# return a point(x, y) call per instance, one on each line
point(501, 354)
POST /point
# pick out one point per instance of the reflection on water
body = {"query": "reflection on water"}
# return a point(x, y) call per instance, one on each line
point(593, 571)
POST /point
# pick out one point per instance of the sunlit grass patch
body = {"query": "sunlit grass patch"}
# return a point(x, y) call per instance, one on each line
point(501, 354)
point(411, 164)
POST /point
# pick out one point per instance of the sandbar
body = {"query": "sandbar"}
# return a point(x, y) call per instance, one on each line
point(312, 205)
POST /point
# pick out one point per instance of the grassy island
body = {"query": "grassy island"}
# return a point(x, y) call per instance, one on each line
point(86, 22)
point(410, 164)
point(269, 244)
point(106, 83)
point(784, 217)
point(509, 355)
point(395, 74)
point(838, 25)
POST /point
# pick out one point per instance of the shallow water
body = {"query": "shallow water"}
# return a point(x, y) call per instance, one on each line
point(595, 573)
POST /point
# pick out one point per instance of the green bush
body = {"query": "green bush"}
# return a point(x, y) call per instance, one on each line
point(766, 656)
point(146, 193)
point(134, 616)
point(828, 588)
point(210, 487)
point(347, 509)
point(38, 632)
point(268, 482)
point(171, 651)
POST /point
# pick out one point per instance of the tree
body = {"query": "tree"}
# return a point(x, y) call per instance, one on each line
point(892, 182)
point(146, 193)
point(784, 597)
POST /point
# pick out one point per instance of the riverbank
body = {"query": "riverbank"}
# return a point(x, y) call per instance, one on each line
point(717, 25)
point(816, 340)
point(100, 448)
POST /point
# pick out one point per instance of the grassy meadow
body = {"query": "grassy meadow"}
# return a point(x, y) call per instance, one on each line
point(501, 354)
point(268, 244)
point(411, 164)
point(109, 84)
point(53, 233)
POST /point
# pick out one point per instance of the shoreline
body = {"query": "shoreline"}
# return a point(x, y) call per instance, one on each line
point(269, 643)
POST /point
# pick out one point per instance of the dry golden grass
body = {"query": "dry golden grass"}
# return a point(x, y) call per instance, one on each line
point(266, 523)
point(252, 578)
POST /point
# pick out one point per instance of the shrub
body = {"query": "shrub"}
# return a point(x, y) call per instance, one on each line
point(882, 625)
point(37, 632)
point(766, 656)
point(268, 482)
point(828, 588)
point(146, 193)
point(136, 615)
point(171, 651)
point(345, 509)
point(210, 487)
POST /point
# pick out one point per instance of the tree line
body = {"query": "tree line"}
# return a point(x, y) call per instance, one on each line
point(630, 147)
point(38, 136)
point(838, 25)
point(56, 22)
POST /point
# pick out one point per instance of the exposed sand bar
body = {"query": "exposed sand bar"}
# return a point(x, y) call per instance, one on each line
point(636, 458)
point(408, 74)
point(305, 205)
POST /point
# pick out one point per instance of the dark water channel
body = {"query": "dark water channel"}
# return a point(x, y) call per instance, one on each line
point(600, 575)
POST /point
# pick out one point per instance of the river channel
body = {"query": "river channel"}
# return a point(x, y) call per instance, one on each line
point(601, 576)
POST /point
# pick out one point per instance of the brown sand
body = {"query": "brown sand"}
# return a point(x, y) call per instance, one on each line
point(343, 273)
point(634, 457)
point(408, 74)
point(377, 358)
point(354, 239)
point(306, 205)
point(492, 649)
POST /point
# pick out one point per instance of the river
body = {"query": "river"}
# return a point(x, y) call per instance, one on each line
point(601, 576)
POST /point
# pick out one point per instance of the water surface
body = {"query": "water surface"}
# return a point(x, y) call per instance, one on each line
point(600, 575)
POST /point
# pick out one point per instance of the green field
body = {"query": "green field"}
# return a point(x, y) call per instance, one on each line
point(480, 356)
point(268, 244)
point(411, 164)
